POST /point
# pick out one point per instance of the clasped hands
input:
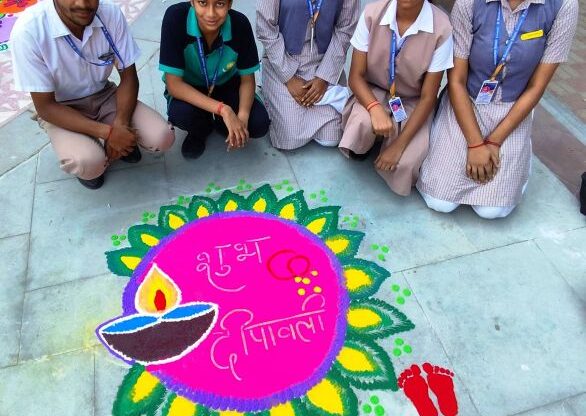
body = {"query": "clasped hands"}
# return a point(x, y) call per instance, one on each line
point(121, 140)
point(307, 93)
point(483, 162)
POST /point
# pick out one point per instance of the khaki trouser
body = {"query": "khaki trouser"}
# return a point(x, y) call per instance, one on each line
point(84, 156)
point(359, 137)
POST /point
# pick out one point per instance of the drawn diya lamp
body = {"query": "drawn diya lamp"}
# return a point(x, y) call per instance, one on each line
point(163, 330)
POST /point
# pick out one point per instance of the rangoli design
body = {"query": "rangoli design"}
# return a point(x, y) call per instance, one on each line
point(249, 305)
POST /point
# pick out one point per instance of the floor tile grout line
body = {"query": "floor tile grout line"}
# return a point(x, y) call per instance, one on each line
point(560, 401)
point(7, 237)
point(468, 392)
point(80, 279)
point(559, 272)
point(28, 260)
point(24, 161)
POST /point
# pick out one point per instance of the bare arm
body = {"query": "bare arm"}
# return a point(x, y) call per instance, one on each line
point(525, 103)
point(381, 122)
point(126, 96)
point(247, 88)
point(66, 117)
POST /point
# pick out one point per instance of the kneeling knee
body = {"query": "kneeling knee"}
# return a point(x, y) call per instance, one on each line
point(89, 167)
point(492, 213)
point(161, 140)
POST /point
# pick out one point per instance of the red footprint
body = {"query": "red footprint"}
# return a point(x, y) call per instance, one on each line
point(441, 383)
point(416, 390)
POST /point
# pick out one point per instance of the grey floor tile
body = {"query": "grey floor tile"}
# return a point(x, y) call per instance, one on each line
point(148, 25)
point(13, 259)
point(558, 409)
point(60, 385)
point(567, 252)
point(257, 163)
point(63, 318)
point(578, 405)
point(21, 138)
point(510, 324)
point(110, 372)
point(16, 198)
point(72, 230)
point(147, 50)
point(547, 208)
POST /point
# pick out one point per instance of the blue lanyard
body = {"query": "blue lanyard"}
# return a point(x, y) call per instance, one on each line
point(314, 10)
point(204, 65)
point(392, 59)
point(510, 42)
point(108, 39)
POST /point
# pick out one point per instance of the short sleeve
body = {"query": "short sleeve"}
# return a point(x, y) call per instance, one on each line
point(173, 33)
point(461, 19)
point(247, 62)
point(31, 73)
point(443, 56)
point(360, 38)
point(559, 39)
point(125, 43)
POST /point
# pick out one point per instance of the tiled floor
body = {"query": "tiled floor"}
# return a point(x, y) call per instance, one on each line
point(502, 303)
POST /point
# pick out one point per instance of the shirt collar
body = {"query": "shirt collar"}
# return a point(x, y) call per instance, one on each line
point(423, 23)
point(522, 6)
point(56, 26)
point(193, 28)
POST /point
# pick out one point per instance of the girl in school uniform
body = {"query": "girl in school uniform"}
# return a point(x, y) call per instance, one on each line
point(506, 52)
point(401, 49)
point(305, 45)
point(209, 57)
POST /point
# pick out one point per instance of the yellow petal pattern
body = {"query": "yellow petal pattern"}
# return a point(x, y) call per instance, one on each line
point(288, 212)
point(130, 261)
point(144, 385)
point(285, 409)
point(338, 245)
point(260, 205)
point(317, 226)
point(149, 240)
point(363, 318)
point(355, 360)
point(326, 396)
point(356, 278)
point(175, 222)
point(231, 206)
point(202, 212)
point(181, 407)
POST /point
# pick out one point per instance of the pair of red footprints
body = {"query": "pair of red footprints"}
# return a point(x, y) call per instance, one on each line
point(439, 381)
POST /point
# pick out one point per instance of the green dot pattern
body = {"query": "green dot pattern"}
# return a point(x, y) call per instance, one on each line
point(373, 407)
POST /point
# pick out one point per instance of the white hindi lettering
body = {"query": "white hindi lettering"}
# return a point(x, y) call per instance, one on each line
point(221, 267)
point(268, 334)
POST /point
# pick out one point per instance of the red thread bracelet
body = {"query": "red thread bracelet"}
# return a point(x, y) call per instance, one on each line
point(492, 143)
point(220, 108)
point(372, 105)
point(476, 145)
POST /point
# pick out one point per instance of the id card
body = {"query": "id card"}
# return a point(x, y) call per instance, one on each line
point(396, 106)
point(486, 92)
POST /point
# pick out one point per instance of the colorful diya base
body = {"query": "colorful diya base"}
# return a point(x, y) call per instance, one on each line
point(297, 328)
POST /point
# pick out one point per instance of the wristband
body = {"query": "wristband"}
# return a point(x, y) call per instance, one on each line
point(109, 133)
point(492, 143)
point(220, 108)
point(372, 105)
point(475, 146)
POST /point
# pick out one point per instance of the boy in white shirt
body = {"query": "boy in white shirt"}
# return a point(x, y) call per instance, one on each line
point(63, 53)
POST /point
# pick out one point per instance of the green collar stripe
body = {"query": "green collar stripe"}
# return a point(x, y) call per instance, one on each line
point(193, 28)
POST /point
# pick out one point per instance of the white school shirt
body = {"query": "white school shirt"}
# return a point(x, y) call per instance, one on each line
point(443, 57)
point(44, 61)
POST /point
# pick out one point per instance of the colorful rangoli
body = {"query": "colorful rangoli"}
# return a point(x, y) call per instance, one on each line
point(249, 305)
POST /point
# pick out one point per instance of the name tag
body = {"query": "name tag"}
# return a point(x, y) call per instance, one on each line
point(486, 92)
point(532, 35)
point(396, 106)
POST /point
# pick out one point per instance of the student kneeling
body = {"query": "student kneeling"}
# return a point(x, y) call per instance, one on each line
point(208, 56)
point(401, 49)
point(63, 53)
